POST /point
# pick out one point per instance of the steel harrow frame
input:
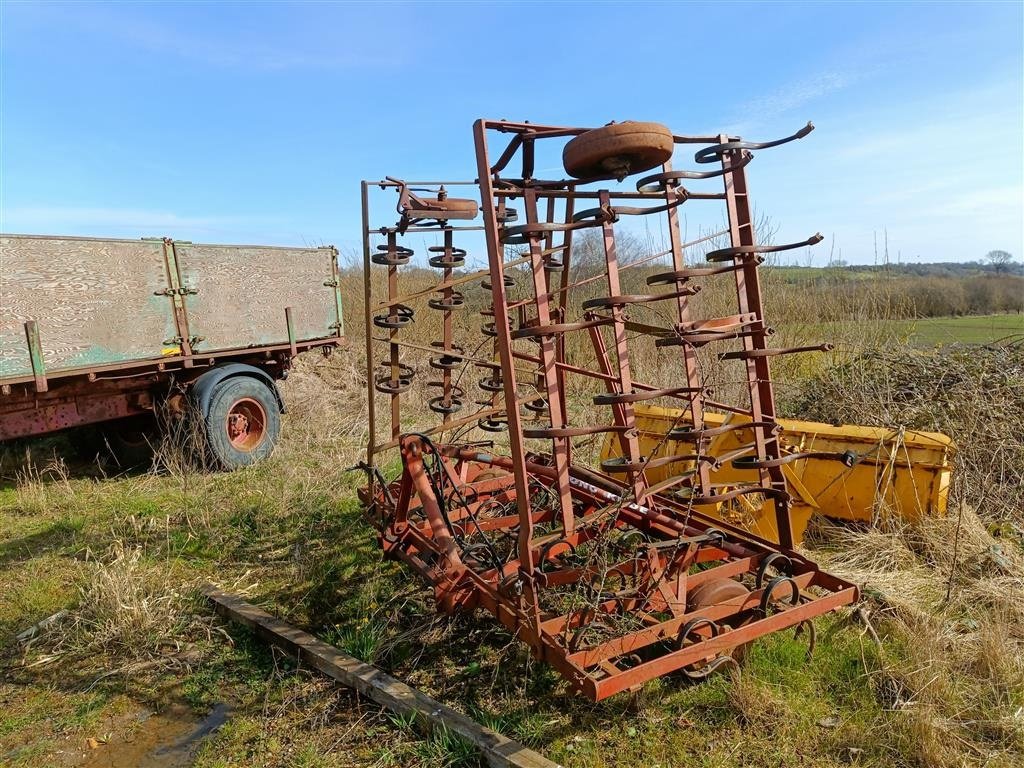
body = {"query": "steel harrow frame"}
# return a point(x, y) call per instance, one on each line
point(609, 578)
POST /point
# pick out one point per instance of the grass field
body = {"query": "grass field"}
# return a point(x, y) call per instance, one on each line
point(934, 676)
point(970, 329)
point(922, 332)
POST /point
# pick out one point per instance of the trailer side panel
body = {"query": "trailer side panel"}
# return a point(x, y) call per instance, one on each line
point(241, 293)
point(96, 301)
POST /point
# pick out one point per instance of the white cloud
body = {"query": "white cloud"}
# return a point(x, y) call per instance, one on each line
point(793, 95)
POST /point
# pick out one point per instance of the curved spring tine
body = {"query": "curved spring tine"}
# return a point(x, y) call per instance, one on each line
point(711, 667)
point(713, 153)
point(774, 560)
point(724, 254)
point(848, 459)
point(766, 596)
point(812, 636)
point(658, 182)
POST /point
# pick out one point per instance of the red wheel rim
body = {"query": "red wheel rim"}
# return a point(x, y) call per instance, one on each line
point(246, 424)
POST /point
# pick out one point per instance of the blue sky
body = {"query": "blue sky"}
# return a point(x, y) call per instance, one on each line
point(255, 123)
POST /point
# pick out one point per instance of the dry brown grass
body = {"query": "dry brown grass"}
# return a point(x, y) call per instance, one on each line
point(127, 607)
point(951, 599)
point(949, 590)
point(974, 394)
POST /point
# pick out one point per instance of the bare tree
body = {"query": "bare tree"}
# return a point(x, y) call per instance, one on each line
point(1000, 260)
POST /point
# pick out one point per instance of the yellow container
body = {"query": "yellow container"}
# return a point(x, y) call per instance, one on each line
point(898, 472)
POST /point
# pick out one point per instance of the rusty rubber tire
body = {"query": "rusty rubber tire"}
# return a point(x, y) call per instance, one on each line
point(618, 150)
point(450, 207)
point(715, 591)
point(231, 398)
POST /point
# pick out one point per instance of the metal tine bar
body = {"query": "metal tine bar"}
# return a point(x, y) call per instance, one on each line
point(390, 182)
point(727, 407)
point(735, 148)
point(396, 418)
point(684, 275)
point(701, 332)
point(549, 193)
point(606, 302)
point(449, 283)
point(748, 294)
point(449, 403)
point(456, 353)
point(455, 424)
point(687, 495)
point(622, 411)
point(691, 435)
point(368, 331)
point(494, 366)
point(761, 353)
point(691, 364)
point(562, 298)
point(546, 331)
point(700, 339)
point(658, 181)
point(495, 256)
point(671, 482)
point(726, 323)
point(645, 259)
point(618, 398)
point(618, 465)
point(553, 395)
point(749, 250)
point(420, 229)
point(561, 433)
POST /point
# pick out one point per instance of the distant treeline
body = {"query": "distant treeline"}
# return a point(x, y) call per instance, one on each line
point(911, 294)
point(930, 269)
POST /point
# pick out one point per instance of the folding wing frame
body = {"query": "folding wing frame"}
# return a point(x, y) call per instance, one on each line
point(610, 578)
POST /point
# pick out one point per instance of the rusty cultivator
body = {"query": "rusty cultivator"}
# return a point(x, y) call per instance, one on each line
point(609, 577)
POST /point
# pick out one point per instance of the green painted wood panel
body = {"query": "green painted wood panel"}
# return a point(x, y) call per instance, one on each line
point(242, 292)
point(93, 300)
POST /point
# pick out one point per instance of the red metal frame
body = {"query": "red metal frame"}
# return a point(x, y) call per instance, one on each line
point(536, 538)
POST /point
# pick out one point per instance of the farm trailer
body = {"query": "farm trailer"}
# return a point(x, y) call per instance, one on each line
point(106, 331)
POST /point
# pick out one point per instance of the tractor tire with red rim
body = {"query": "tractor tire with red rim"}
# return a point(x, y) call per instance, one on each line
point(242, 422)
point(618, 150)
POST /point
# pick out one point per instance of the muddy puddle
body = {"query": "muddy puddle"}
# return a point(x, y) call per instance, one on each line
point(169, 739)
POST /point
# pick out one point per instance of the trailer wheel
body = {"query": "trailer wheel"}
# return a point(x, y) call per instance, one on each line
point(126, 443)
point(132, 440)
point(242, 421)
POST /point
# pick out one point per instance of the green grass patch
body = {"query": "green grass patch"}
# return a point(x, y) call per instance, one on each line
point(983, 329)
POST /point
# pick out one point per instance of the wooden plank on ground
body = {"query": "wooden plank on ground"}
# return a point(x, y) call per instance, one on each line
point(373, 683)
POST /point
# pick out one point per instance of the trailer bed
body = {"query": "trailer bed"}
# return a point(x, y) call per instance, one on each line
point(102, 304)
